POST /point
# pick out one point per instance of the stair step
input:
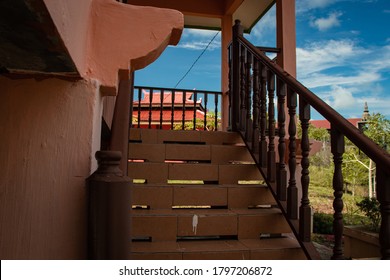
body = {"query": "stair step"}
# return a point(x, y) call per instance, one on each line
point(216, 154)
point(222, 154)
point(200, 195)
point(188, 152)
point(234, 173)
point(166, 196)
point(151, 172)
point(243, 223)
point(154, 136)
point(278, 248)
point(255, 222)
point(205, 172)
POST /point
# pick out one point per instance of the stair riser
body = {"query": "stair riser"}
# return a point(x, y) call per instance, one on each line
point(223, 174)
point(252, 226)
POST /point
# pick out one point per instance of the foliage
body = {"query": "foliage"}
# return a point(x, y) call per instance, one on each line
point(199, 123)
point(323, 223)
point(371, 208)
point(319, 134)
point(378, 129)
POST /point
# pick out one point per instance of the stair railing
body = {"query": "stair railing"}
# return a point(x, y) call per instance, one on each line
point(169, 108)
point(254, 80)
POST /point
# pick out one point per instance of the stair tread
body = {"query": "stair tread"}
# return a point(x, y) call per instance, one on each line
point(216, 245)
point(205, 212)
point(195, 185)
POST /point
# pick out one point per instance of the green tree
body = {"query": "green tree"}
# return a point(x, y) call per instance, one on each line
point(377, 127)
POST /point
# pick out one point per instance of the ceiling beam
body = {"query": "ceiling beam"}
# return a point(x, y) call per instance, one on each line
point(231, 6)
point(207, 8)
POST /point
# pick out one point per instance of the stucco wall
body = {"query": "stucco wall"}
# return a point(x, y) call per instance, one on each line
point(49, 133)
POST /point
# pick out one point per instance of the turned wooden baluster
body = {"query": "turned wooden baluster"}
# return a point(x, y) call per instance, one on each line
point(263, 117)
point(205, 111)
point(305, 209)
point(194, 121)
point(281, 179)
point(256, 107)
point(242, 90)
point(216, 112)
point(383, 194)
point(271, 165)
point(292, 190)
point(161, 107)
point(248, 102)
point(150, 107)
point(172, 108)
point(183, 116)
point(337, 148)
point(139, 107)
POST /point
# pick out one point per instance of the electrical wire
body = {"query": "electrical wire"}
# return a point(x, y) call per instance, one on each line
point(196, 60)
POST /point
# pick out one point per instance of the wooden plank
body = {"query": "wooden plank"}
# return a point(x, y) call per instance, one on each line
point(222, 154)
point(248, 196)
point(155, 197)
point(152, 172)
point(188, 152)
point(197, 195)
point(206, 172)
point(148, 152)
point(232, 173)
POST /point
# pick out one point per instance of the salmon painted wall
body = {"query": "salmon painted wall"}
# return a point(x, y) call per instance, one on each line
point(48, 135)
point(51, 128)
point(112, 36)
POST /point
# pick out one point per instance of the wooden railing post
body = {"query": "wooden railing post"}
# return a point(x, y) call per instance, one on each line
point(243, 81)
point(237, 30)
point(271, 164)
point(248, 101)
point(109, 210)
point(263, 117)
point(383, 194)
point(281, 178)
point(256, 107)
point(337, 148)
point(292, 190)
point(305, 209)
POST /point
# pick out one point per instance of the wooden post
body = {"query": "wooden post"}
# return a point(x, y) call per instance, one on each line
point(383, 194)
point(235, 106)
point(109, 209)
point(292, 190)
point(305, 209)
point(337, 147)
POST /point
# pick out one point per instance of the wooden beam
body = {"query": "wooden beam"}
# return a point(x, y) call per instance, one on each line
point(190, 7)
point(231, 6)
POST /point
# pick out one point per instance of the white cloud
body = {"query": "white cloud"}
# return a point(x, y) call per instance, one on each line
point(264, 29)
point(198, 39)
point(306, 5)
point(325, 23)
point(341, 98)
point(319, 56)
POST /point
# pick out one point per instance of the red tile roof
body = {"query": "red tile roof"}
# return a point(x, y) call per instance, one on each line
point(325, 123)
point(167, 98)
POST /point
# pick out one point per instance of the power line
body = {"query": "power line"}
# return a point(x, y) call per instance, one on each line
point(193, 64)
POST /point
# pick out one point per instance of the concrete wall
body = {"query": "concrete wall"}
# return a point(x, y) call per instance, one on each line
point(50, 129)
point(48, 136)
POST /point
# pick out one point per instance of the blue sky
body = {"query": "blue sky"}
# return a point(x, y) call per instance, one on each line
point(343, 54)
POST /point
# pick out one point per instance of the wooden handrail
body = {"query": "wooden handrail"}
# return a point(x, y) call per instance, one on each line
point(254, 81)
point(369, 147)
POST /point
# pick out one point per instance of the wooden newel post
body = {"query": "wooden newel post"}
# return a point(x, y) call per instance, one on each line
point(383, 194)
point(109, 236)
point(235, 106)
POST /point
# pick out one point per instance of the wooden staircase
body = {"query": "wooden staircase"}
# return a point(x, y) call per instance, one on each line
point(199, 195)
